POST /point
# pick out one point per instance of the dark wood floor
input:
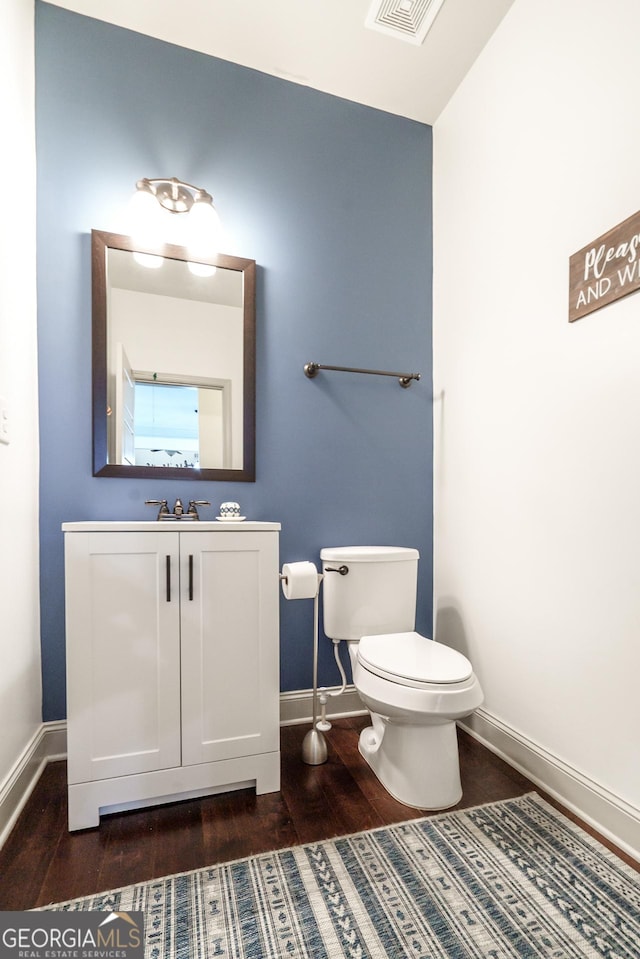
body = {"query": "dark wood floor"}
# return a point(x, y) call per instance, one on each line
point(42, 862)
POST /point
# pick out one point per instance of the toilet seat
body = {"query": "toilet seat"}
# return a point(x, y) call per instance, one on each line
point(410, 659)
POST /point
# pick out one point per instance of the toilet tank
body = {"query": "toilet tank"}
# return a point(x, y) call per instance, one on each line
point(377, 595)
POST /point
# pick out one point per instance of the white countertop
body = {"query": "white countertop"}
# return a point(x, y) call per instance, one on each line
point(167, 526)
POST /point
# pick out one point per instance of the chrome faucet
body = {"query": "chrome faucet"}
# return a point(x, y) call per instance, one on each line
point(178, 509)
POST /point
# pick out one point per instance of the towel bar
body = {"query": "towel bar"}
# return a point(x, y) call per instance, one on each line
point(311, 370)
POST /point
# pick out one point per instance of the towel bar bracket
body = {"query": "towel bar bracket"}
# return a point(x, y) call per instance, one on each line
point(404, 379)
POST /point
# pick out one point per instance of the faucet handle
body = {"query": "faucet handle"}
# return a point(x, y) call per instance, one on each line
point(193, 506)
point(162, 503)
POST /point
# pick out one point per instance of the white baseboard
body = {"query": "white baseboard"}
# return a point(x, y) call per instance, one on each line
point(297, 706)
point(610, 815)
point(48, 742)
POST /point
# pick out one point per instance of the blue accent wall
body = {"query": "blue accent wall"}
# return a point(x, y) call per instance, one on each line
point(333, 201)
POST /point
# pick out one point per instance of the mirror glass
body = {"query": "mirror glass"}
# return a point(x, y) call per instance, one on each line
point(173, 362)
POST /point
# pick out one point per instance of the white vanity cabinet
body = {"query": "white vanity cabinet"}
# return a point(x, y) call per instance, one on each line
point(172, 643)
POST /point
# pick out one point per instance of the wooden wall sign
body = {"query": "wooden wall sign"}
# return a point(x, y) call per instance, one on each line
point(605, 270)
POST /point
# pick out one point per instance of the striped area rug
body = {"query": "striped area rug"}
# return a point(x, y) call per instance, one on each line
point(513, 878)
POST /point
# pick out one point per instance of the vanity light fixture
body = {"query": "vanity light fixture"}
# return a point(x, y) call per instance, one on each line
point(153, 207)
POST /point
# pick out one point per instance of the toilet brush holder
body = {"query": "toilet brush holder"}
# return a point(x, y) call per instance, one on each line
point(314, 748)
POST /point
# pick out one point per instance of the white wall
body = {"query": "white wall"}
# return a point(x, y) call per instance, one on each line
point(20, 685)
point(537, 536)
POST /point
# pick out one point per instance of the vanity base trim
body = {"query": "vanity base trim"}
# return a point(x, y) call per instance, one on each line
point(88, 801)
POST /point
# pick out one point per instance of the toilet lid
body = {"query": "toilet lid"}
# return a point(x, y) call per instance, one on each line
point(411, 659)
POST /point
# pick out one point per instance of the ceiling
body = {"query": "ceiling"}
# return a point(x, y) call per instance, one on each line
point(322, 44)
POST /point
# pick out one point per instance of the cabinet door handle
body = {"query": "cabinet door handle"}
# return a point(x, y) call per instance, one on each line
point(190, 576)
point(168, 573)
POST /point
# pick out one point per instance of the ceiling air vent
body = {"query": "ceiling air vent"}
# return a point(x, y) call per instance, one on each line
point(408, 20)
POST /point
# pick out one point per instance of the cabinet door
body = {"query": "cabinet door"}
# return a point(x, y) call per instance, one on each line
point(230, 645)
point(123, 653)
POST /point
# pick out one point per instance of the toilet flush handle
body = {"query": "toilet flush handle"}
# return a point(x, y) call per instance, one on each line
point(343, 570)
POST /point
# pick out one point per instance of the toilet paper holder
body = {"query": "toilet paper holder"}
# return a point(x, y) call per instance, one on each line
point(343, 570)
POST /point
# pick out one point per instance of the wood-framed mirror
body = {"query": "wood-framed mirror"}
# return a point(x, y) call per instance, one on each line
point(173, 362)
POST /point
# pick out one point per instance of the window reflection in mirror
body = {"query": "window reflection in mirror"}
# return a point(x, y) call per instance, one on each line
point(166, 428)
point(176, 425)
point(174, 363)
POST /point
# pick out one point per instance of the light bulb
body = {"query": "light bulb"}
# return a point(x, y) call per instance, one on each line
point(144, 215)
point(148, 260)
point(201, 269)
point(204, 229)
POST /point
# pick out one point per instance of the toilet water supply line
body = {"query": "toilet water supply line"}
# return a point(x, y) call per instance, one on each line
point(324, 693)
point(314, 746)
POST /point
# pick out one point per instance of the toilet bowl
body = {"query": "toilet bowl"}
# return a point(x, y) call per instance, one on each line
point(412, 744)
point(414, 688)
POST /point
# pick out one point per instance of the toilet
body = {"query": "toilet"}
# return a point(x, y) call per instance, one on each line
point(414, 688)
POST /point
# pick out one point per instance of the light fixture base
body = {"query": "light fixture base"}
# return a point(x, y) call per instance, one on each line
point(172, 194)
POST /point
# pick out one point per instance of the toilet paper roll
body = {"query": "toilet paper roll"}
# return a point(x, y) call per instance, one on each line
point(300, 580)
